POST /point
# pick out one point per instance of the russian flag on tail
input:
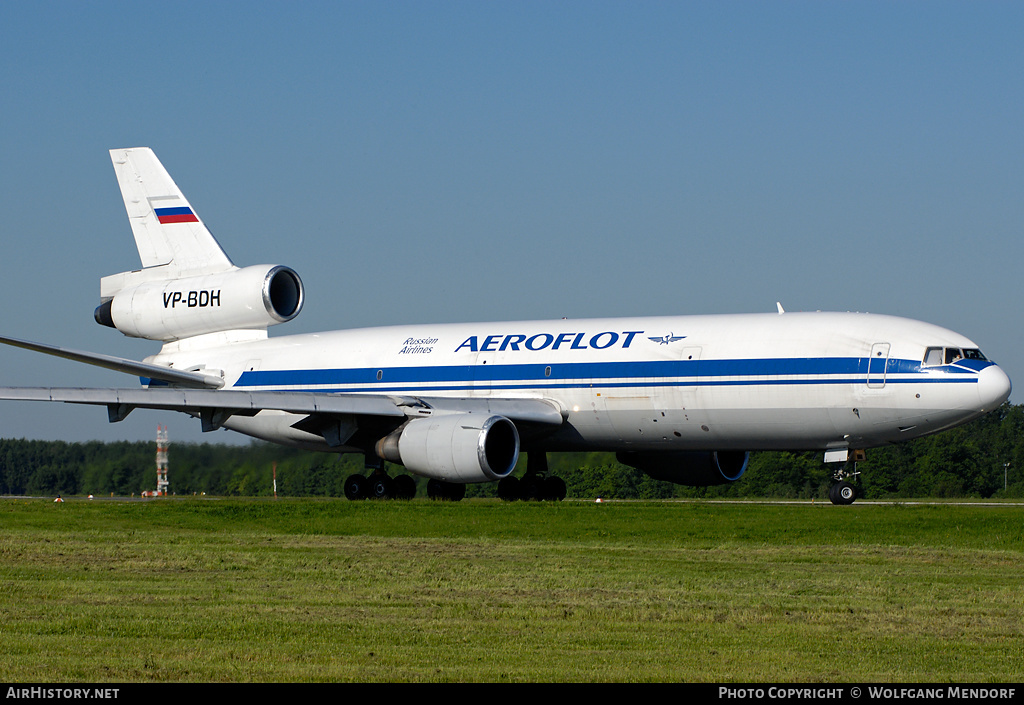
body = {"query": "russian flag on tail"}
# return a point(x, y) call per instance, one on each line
point(183, 214)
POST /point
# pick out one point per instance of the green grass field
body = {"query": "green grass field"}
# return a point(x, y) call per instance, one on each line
point(321, 590)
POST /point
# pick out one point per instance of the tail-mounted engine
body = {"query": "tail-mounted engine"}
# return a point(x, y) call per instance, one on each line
point(170, 309)
point(462, 448)
point(692, 468)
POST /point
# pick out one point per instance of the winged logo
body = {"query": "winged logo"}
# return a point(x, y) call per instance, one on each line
point(665, 339)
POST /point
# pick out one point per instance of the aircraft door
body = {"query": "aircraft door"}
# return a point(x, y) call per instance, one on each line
point(877, 364)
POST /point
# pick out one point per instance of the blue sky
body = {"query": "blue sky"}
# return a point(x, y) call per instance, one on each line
point(461, 161)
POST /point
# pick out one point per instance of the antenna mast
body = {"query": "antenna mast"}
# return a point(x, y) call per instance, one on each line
point(161, 461)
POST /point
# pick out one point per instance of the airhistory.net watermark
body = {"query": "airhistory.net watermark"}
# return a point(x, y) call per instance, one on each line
point(49, 693)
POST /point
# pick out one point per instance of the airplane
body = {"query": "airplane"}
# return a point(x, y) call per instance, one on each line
point(683, 398)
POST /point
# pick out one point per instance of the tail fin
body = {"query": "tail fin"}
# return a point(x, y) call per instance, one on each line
point(187, 286)
point(168, 233)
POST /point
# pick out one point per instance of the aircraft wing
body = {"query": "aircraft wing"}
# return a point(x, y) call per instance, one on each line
point(213, 406)
point(120, 364)
point(196, 394)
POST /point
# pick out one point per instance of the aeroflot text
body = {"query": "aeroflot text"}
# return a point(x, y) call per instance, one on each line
point(543, 341)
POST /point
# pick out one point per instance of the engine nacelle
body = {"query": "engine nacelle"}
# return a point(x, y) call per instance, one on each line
point(241, 299)
point(692, 468)
point(462, 448)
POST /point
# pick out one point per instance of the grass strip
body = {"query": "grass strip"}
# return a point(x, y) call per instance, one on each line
point(215, 590)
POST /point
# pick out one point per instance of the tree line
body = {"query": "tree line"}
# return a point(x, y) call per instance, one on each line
point(983, 459)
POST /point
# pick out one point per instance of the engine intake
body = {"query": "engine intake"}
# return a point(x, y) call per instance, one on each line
point(463, 448)
point(691, 468)
point(241, 299)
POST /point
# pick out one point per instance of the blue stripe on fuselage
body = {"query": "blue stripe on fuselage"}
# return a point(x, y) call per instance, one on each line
point(644, 373)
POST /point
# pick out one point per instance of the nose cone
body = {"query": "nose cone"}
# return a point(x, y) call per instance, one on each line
point(993, 387)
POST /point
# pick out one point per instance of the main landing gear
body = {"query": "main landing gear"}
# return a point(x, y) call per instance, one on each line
point(445, 491)
point(377, 484)
point(536, 484)
point(380, 486)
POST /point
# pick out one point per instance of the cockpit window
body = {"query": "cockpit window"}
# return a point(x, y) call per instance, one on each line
point(947, 356)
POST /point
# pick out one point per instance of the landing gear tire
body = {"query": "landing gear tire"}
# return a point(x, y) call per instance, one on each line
point(445, 491)
point(546, 489)
point(508, 489)
point(381, 487)
point(530, 489)
point(405, 487)
point(536, 485)
point(356, 487)
point(842, 493)
point(553, 489)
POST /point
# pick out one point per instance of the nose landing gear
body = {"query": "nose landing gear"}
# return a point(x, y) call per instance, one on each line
point(845, 489)
point(842, 493)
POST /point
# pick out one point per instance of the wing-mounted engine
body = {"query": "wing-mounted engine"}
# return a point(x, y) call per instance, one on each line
point(460, 448)
point(141, 304)
point(692, 468)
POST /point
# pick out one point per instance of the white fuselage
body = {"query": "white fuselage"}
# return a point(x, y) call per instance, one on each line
point(716, 382)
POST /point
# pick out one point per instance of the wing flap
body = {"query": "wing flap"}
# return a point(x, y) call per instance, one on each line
point(539, 411)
